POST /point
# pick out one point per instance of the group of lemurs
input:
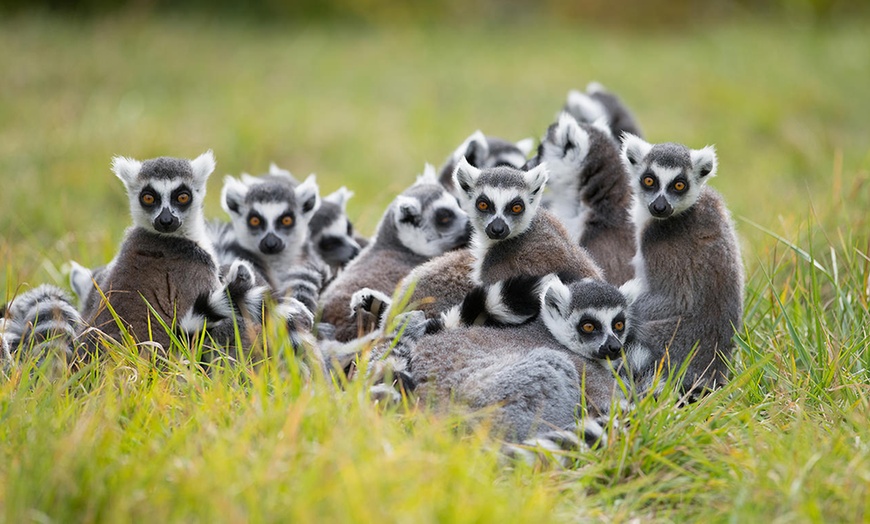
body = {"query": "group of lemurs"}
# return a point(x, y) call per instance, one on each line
point(534, 288)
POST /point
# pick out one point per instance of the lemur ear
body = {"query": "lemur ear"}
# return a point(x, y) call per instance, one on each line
point(429, 176)
point(476, 148)
point(249, 180)
point(202, 166)
point(274, 170)
point(583, 107)
point(595, 87)
point(631, 290)
point(536, 178)
point(126, 169)
point(233, 195)
point(634, 150)
point(704, 162)
point(465, 176)
point(339, 197)
point(568, 134)
point(408, 211)
point(557, 298)
point(308, 195)
point(526, 146)
point(81, 279)
point(603, 124)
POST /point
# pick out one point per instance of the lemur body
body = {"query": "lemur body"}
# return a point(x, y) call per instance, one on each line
point(590, 193)
point(689, 274)
point(535, 375)
point(165, 269)
point(511, 237)
point(482, 152)
point(423, 222)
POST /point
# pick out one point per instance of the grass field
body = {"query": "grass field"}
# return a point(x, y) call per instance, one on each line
point(787, 108)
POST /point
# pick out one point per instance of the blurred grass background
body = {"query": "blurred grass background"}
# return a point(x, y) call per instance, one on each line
point(365, 105)
point(363, 93)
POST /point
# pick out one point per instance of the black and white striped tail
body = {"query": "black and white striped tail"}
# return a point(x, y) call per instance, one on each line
point(508, 302)
point(39, 323)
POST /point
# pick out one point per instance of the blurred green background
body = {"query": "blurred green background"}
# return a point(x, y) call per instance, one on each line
point(364, 92)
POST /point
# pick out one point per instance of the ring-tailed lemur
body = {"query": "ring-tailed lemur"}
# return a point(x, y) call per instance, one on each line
point(596, 103)
point(535, 375)
point(166, 267)
point(689, 274)
point(40, 324)
point(511, 236)
point(331, 233)
point(269, 219)
point(422, 222)
point(590, 193)
point(483, 151)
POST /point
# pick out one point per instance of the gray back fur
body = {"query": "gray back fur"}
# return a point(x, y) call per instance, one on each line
point(590, 193)
point(524, 373)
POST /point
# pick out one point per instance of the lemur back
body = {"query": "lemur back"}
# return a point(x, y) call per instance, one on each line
point(483, 151)
point(590, 193)
point(531, 373)
point(421, 223)
point(598, 102)
point(689, 283)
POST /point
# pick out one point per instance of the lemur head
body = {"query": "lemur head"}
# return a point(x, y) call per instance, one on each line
point(427, 218)
point(483, 152)
point(565, 149)
point(666, 178)
point(331, 231)
point(166, 194)
point(589, 317)
point(270, 216)
point(501, 201)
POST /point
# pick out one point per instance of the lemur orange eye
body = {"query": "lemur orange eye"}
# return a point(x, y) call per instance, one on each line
point(649, 181)
point(588, 327)
point(680, 186)
point(148, 199)
point(618, 326)
point(183, 198)
point(517, 209)
point(287, 221)
point(254, 221)
point(482, 205)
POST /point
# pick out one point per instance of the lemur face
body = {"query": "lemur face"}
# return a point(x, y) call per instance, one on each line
point(166, 194)
point(331, 231)
point(501, 201)
point(429, 220)
point(589, 317)
point(271, 217)
point(667, 178)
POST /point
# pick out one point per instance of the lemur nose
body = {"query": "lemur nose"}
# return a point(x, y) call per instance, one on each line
point(611, 348)
point(271, 244)
point(497, 229)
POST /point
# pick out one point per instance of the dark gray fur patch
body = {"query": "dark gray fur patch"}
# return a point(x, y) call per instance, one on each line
point(595, 294)
point(271, 192)
point(502, 177)
point(165, 168)
point(670, 155)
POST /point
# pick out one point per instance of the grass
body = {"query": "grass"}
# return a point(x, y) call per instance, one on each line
point(786, 106)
